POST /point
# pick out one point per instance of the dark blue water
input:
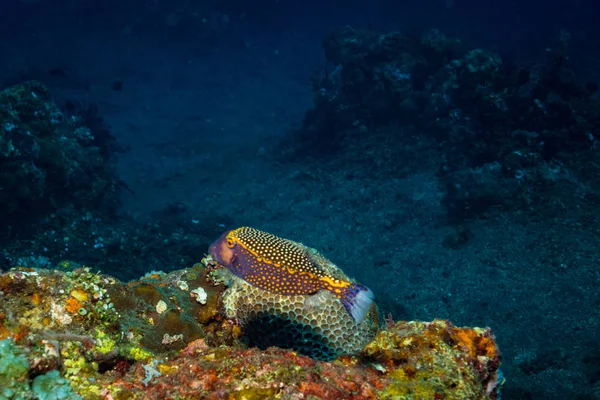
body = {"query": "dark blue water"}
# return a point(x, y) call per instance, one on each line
point(455, 187)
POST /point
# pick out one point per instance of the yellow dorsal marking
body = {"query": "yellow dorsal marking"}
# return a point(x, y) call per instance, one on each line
point(334, 283)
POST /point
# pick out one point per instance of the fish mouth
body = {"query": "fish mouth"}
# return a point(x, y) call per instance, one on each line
point(222, 253)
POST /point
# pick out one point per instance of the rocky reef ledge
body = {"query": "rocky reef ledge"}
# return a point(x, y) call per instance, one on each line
point(69, 333)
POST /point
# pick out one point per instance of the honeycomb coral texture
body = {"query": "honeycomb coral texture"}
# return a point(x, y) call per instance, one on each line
point(322, 331)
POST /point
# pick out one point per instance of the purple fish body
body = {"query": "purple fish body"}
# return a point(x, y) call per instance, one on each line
point(281, 266)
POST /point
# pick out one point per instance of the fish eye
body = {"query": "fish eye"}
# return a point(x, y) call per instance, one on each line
point(230, 243)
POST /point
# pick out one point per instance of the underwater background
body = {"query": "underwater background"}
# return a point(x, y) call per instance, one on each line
point(443, 153)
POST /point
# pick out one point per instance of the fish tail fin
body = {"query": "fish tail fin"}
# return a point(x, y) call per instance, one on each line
point(357, 299)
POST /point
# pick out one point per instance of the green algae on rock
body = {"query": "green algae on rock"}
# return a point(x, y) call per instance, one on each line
point(123, 348)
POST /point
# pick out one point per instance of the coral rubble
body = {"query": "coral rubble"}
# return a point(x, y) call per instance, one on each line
point(72, 333)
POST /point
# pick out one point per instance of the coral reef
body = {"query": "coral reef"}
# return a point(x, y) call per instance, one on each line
point(502, 136)
point(50, 161)
point(71, 332)
point(399, 347)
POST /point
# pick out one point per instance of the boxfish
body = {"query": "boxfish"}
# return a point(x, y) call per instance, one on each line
point(285, 267)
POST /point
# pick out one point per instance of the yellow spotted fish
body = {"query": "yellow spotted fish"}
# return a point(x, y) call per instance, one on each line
point(284, 267)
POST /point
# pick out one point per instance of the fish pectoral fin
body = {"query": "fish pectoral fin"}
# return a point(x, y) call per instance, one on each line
point(318, 299)
point(314, 257)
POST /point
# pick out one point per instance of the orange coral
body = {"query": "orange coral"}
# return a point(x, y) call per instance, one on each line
point(476, 341)
point(21, 334)
point(4, 333)
point(73, 305)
